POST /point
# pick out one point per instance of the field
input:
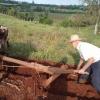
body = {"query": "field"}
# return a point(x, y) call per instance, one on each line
point(43, 41)
point(49, 46)
point(53, 16)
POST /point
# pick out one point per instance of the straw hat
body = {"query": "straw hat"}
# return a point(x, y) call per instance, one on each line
point(74, 38)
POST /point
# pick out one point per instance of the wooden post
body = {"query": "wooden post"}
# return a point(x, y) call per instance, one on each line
point(49, 80)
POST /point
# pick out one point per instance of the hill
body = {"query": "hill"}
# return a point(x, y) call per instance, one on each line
point(40, 41)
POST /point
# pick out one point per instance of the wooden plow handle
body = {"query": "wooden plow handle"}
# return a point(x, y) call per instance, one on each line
point(54, 76)
point(39, 67)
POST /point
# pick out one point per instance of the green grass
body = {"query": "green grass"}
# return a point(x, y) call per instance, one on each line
point(47, 8)
point(37, 41)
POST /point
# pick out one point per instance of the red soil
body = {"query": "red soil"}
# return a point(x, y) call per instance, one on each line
point(25, 84)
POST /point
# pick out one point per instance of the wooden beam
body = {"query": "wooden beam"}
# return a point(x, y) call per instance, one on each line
point(38, 67)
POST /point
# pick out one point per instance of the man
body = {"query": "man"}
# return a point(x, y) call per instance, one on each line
point(90, 54)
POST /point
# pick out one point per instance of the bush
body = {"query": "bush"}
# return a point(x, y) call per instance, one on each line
point(41, 20)
point(45, 20)
point(48, 21)
point(66, 23)
point(85, 23)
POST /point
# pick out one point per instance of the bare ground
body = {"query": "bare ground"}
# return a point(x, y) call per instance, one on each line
point(25, 84)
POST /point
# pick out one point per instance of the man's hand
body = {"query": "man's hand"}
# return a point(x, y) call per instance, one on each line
point(76, 71)
point(81, 71)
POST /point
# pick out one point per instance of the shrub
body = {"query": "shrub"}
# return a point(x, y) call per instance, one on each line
point(85, 23)
point(48, 21)
point(45, 20)
point(41, 20)
point(65, 23)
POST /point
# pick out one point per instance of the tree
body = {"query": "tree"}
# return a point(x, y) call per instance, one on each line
point(26, 15)
point(46, 14)
point(76, 20)
point(93, 11)
point(32, 2)
point(1, 8)
point(31, 13)
point(12, 11)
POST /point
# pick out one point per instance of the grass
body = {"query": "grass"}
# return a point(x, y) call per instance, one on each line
point(37, 41)
point(47, 8)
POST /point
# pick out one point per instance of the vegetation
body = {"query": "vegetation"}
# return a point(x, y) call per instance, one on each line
point(39, 41)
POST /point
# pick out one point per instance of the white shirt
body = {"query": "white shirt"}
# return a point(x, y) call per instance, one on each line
point(87, 50)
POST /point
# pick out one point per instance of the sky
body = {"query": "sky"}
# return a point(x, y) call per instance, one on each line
point(56, 2)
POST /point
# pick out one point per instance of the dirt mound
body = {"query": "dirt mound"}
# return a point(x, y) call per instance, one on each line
point(25, 84)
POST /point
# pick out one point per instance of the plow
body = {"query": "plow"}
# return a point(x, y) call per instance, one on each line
point(54, 72)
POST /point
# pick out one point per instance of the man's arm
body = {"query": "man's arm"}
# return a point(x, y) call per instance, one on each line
point(88, 63)
point(80, 63)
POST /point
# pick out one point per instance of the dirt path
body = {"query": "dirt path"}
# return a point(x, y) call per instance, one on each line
point(25, 84)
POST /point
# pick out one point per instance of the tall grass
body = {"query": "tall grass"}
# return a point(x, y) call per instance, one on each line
point(37, 41)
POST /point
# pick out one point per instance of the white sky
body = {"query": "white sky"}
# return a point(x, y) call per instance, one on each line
point(57, 2)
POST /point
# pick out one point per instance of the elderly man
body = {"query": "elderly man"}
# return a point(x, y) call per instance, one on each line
point(90, 54)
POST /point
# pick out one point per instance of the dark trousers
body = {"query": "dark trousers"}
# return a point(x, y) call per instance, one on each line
point(94, 69)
